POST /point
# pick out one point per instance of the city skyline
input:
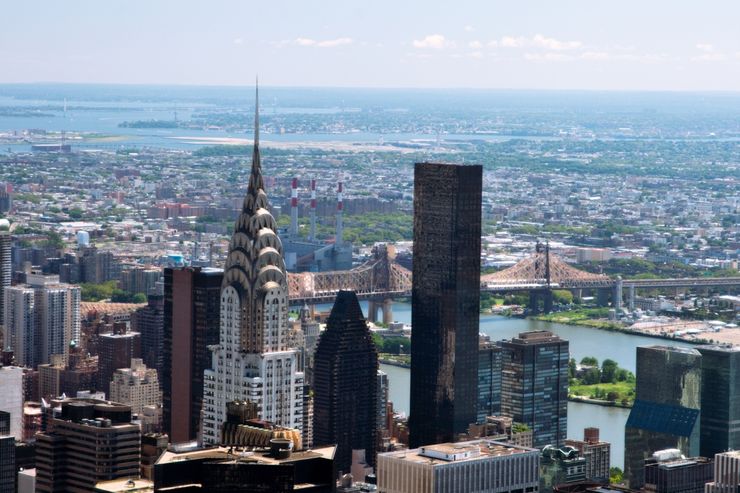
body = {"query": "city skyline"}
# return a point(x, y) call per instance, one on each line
point(494, 45)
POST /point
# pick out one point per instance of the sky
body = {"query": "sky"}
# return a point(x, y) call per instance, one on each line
point(676, 45)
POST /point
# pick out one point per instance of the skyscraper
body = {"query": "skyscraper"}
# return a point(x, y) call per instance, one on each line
point(445, 301)
point(489, 381)
point(89, 441)
point(534, 388)
point(720, 399)
point(42, 317)
point(191, 317)
point(252, 360)
point(7, 464)
point(115, 350)
point(11, 398)
point(6, 265)
point(345, 383)
point(149, 322)
point(666, 411)
point(137, 387)
point(726, 473)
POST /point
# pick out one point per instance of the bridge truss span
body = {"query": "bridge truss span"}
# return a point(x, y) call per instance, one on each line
point(379, 277)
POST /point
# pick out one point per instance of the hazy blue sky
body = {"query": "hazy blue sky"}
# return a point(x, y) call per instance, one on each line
point(554, 44)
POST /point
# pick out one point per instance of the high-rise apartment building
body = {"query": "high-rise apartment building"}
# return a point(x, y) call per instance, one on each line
point(6, 266)
point(445, 301)
point(345, 384)
point(534, 385)
point(191, 317)
point(42, 318)
point(149, 322)
point(137, 387)
point(252, 361)
point(726, 473)
point(11, 398)
point(596, 452)
point(7, 464)
point(383, 393)
point(116, 350)
point(720, 399)
point(667, 405)
point(489, 381)
point(89, 441)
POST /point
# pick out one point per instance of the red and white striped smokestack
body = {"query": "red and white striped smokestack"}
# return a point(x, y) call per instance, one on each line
point(340, 207)
point(312, 232)
point(294, 208)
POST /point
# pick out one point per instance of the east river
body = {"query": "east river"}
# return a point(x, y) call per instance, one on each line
point(584, 341)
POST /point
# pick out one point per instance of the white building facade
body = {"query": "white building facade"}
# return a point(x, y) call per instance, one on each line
point(41, 318)
point(137, 386)
point(11, 398)
point(252, 360)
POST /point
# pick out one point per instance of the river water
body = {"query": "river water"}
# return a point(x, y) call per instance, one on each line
point(584, 341)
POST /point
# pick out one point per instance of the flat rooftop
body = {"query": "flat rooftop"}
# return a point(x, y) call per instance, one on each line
point(447, 453)
point(233, 455)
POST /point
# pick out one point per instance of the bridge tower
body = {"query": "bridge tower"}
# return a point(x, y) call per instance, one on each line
point(542, 264)
point(617, 301)
point(376, 304)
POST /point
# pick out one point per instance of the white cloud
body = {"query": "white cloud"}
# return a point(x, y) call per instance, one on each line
point(433, 41)
point(555, 44)
point(595, 55)
point(469, 29)
point(238, 41)
point(710, 57)
point(326, 43)
point(331, 43)
point(547, 57)
point(537, 41)
point(476, 45)
point(705, 47)
point(509, 42)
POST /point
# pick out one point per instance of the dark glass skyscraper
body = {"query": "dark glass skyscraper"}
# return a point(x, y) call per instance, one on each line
point(720, 399)
point(534, 388)
point(445, 301)
point(489, 381)
point(191, 319)
point(346, 384)
point(666, 410)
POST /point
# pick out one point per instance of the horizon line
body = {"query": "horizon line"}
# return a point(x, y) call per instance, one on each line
point(380, 88)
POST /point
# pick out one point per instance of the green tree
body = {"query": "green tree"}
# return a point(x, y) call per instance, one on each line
point(589, 361)
point(572, 368)
point(616, 476)
point(592, 376)
point(609, 369)
point(562, 296)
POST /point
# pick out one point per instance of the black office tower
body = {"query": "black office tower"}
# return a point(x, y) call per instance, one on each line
point(346, 384)
point(667, 408)
point(192, 300)
point(445, 301)
point(720, 399)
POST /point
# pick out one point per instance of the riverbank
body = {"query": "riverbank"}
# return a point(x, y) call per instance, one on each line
point(581, 319)
point(598, 402)
point(399, 360)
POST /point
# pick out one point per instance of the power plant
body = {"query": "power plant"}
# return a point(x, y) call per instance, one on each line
point(309, 254)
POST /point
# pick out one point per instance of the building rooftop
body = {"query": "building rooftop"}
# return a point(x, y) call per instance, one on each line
point(442, 453)
point(229, 454)
point(128, 485)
